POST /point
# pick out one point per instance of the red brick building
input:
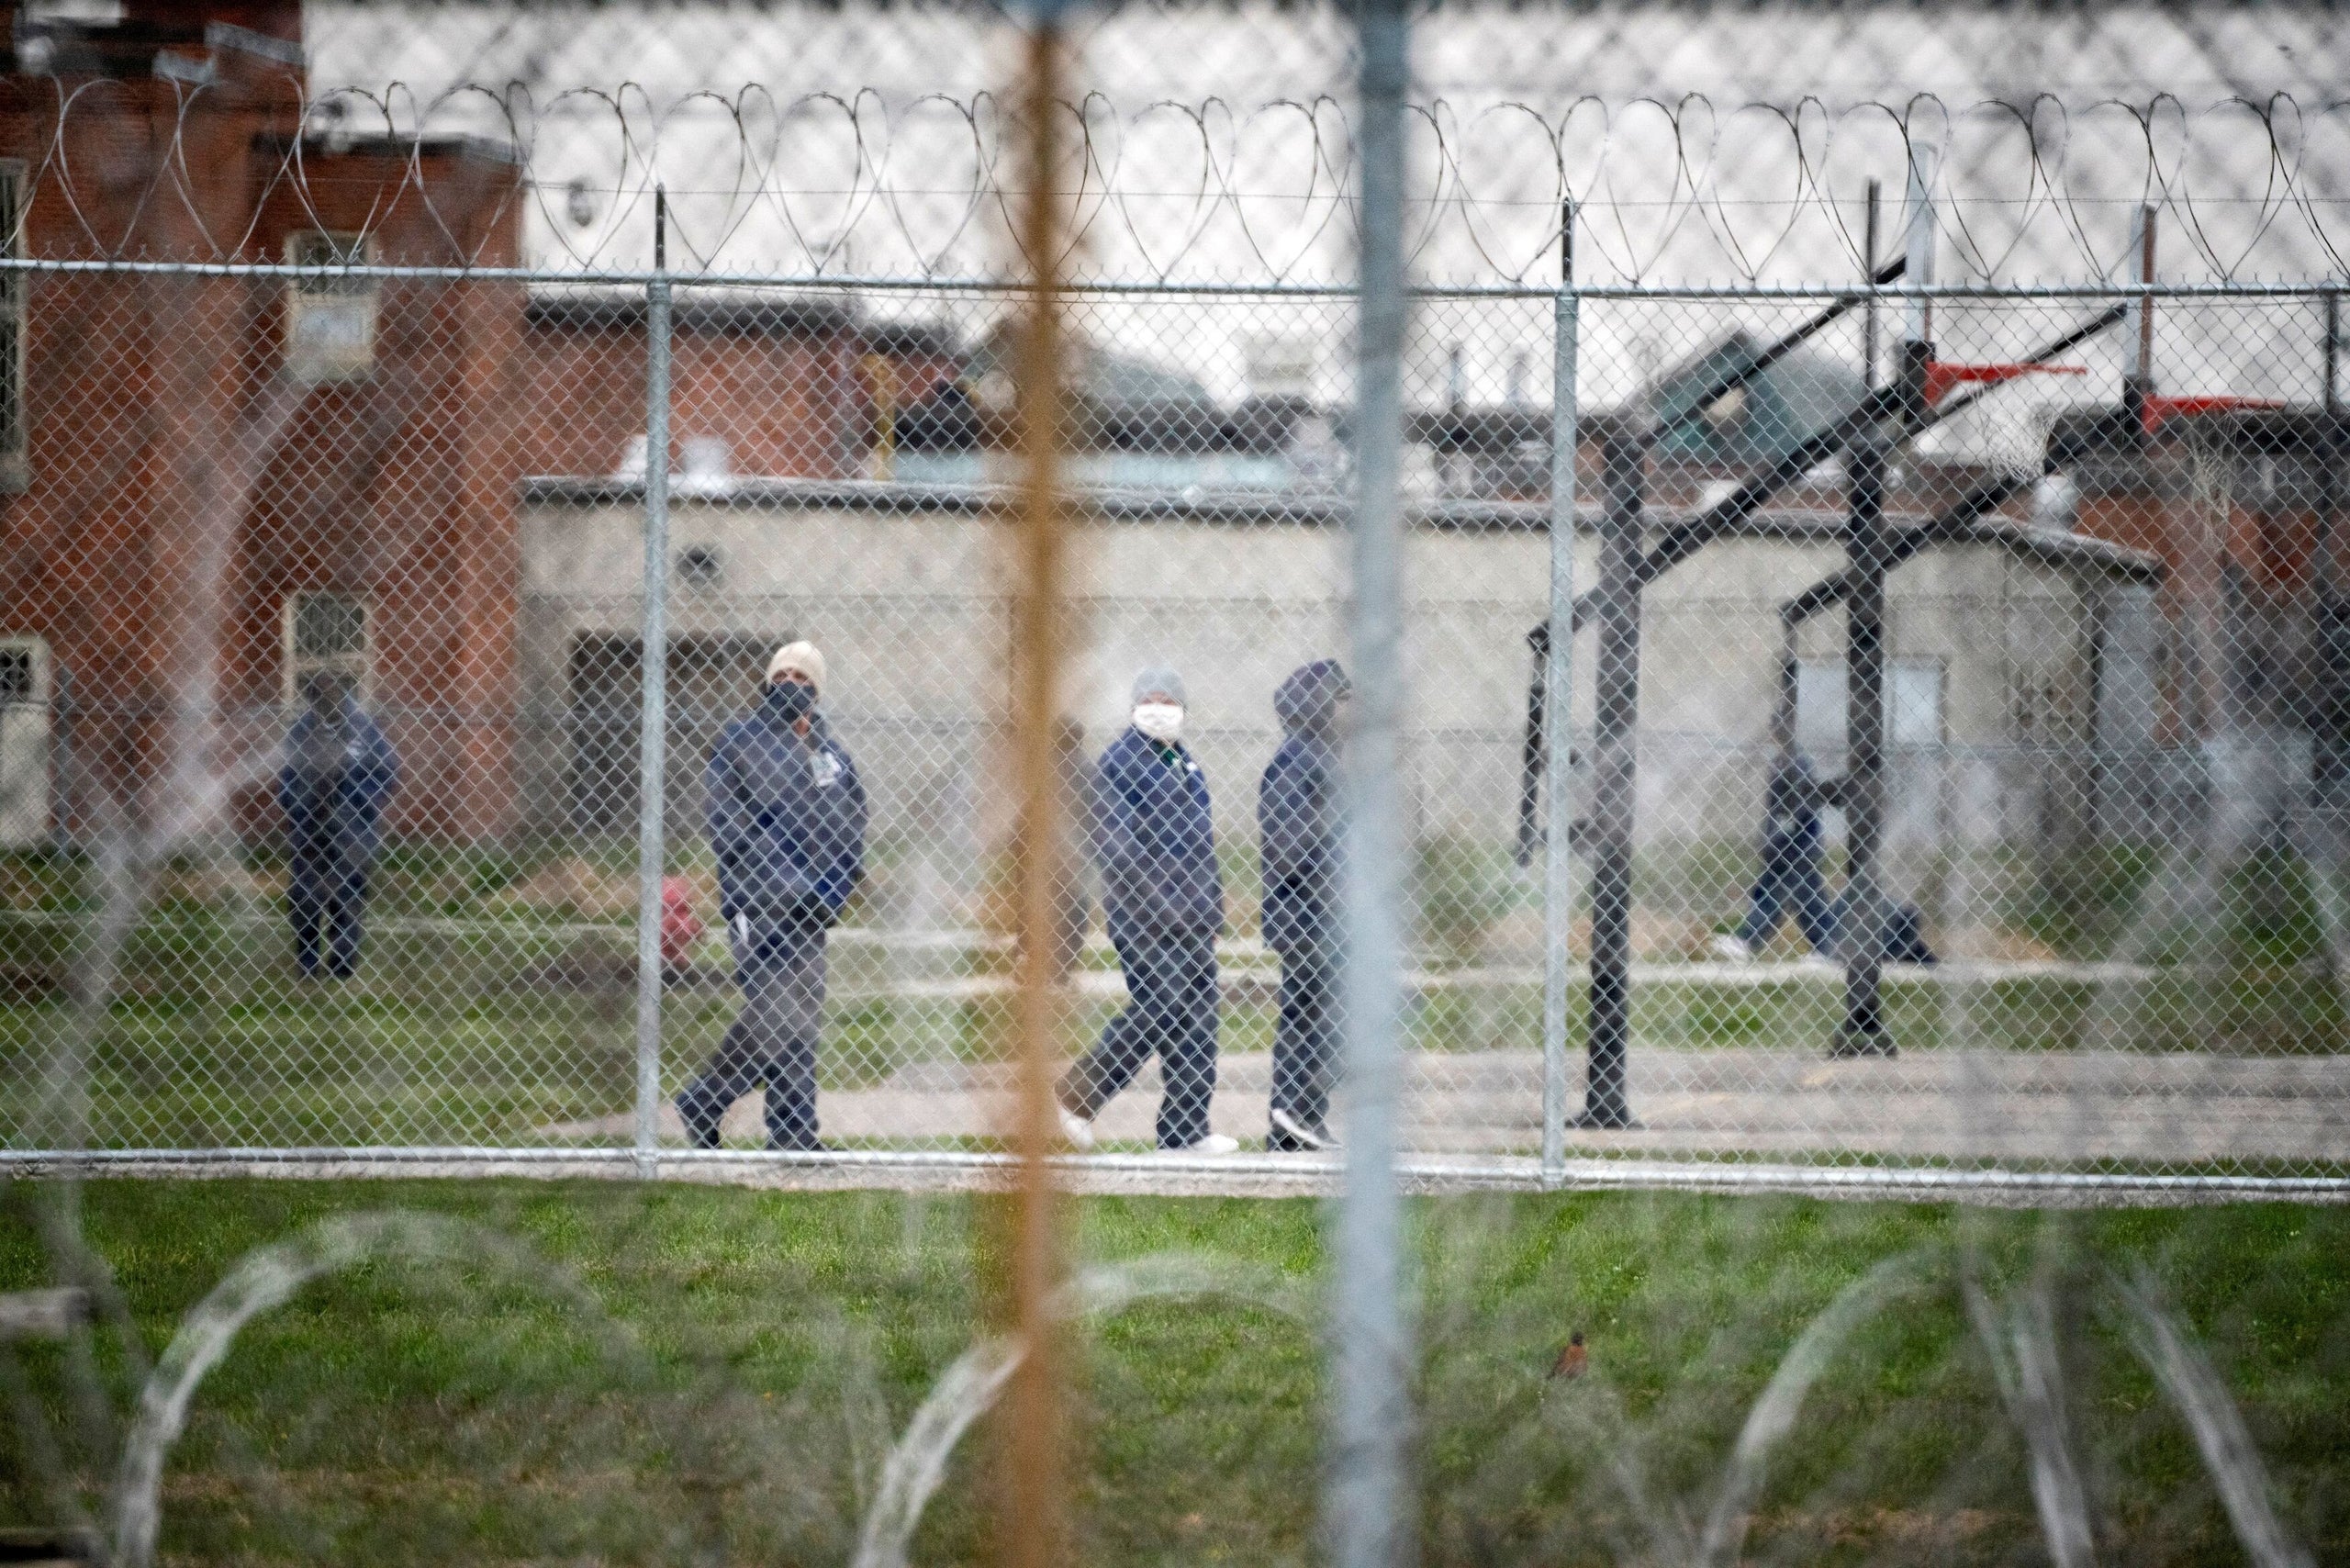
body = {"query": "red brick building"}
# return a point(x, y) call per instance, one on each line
point(209, 484)
point(2239, 506)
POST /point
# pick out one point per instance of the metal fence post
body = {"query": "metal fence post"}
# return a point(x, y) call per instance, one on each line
point(1863, 931)
point(1367, 1501)
point(1557, 865)
point(1615, 781)
point(654, 663)
point(2329, 756)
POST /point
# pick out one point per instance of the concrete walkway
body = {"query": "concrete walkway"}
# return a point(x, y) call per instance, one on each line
point(2020, 1107)
point(1256, 981)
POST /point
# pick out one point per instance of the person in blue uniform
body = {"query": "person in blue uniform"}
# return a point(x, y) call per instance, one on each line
point(787, 815)
point(1154, 839)
point(337, 772)
point(1300, 830)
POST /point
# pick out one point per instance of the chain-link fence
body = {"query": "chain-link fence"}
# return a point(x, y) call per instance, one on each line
point(1952, 778)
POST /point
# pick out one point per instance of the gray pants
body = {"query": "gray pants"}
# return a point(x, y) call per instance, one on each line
point(781, 966)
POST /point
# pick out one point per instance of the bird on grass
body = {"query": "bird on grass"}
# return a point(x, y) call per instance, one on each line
point(1572, 1360)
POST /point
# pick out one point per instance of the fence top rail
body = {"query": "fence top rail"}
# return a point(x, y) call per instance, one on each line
point(1793, 293)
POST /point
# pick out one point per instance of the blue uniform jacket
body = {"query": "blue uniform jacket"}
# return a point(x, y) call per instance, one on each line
point(1791, 802)
point(1300, 828)
point(347, 820)
point(786, 818)
point(1155, 840)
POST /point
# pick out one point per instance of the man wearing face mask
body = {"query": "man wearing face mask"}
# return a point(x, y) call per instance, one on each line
point(1154, 837)
point(1301, 826)
point(787, 820)
point(339, 771)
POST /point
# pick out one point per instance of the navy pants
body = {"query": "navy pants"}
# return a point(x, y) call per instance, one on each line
point(1306, 1035)
point(772, 1042)
point(326, 897)
point(1790, 884)
point(1171, 1012)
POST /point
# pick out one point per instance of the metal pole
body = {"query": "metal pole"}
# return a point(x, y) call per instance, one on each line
point(1034, 1534)
point(1864, 789)
point(654, 663)
point(2139, 384)
point(1869, 560)
point(1368, 1502)
point(1615, 778)
point(1558, 866)
point(1871, 219)
point(2330, 763)
point(1919, 247)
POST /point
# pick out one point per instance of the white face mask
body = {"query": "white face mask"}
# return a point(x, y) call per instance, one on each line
point(1162, 721)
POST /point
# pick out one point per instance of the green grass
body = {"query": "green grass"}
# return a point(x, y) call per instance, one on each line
point(501, 1022)
point(463, 1053)
point(616, 1373)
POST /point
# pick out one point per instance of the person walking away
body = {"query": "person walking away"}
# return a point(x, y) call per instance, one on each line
point(338, 771)
point(1154, 839)
point(787, 815)
point(1301, 826)
point(1791, 881)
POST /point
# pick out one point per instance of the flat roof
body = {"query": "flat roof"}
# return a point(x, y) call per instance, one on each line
point(1263, 508)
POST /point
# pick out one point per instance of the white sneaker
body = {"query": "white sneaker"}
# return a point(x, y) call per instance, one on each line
point(1075, 1129)
point(1215, 1143)
point(1296, 1136)
point(1731, 949)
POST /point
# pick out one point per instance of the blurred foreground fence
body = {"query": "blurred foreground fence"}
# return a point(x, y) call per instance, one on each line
point(1959, 746)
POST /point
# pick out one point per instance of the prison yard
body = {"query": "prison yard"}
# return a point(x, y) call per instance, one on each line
point(1161, 783)
point(1730, 584)
point(497, 1007)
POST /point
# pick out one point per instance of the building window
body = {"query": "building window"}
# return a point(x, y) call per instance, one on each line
point(19, 673)
point(16, 466)
point(1913, 706)
point(24, 742)
point(329, 315)
point(326, 631)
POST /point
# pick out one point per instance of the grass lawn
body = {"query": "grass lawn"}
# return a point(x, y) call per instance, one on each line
point(407, 1054)
point(608, 1372)
point(486, 1012)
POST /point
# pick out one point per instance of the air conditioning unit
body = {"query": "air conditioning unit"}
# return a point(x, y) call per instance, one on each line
point(24, 742)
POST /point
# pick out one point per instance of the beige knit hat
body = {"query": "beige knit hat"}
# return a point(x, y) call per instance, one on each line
point(798, 658)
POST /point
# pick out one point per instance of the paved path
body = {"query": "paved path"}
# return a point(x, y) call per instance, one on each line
point(2021, 1107)
point(883, 962)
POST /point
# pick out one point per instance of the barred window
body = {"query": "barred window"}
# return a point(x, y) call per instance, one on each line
point(326, 631)
point(15, 468)
point(330, 314)
point(19, 673)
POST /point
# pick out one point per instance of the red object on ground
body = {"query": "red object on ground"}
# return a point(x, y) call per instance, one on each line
point(679, 925)
point(2157, 411)
point(1943, 374)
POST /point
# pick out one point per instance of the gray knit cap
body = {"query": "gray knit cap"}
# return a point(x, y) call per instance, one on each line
point(1159, 681)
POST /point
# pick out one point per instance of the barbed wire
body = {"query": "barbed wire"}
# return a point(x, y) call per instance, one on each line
point(841, 184)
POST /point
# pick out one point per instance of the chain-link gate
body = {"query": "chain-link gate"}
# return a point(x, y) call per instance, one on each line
point(1950, 774)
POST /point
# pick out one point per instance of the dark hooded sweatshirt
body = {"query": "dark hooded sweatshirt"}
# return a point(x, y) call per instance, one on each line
point(1301, 817)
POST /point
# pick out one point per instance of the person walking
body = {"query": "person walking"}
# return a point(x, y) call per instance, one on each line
point(786, 816)
point(1791, 881)
point(338, 771)
point(1154, 839)
point(1301, 826)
